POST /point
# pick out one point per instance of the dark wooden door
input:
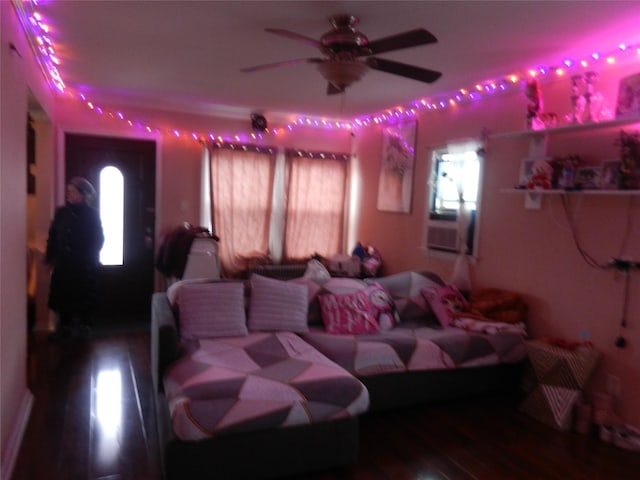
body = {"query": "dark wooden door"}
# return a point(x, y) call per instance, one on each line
point(124, 289)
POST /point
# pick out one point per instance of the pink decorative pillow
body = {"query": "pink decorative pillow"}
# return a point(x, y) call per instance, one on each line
point(209, 310)
point(446, 302)
point(358, 312)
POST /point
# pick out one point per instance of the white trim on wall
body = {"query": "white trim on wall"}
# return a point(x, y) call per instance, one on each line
point(12, 449)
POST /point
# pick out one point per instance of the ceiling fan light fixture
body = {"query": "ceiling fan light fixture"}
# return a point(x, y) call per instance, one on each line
point(342, 74)
point(344, 34)
point(348, 53)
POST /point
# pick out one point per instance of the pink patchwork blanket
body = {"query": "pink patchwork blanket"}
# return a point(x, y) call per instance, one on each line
point(417, 348)
point(260, 381)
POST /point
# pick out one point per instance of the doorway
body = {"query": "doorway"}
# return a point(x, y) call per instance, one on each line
point(125, 284)
point(40, 172)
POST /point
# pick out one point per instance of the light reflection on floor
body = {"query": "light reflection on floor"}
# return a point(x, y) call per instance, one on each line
point(108, 418)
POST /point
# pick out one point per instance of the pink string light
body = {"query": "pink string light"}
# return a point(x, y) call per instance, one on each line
point(38, 33)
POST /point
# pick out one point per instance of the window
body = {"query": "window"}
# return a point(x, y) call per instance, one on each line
point(454, 201)
point(112, 215)
point(455, 173)
point(241, 186)
point(314, 214)
point(276, 206)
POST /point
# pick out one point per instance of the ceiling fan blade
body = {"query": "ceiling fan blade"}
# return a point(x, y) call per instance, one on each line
point(295, 36)
point(285, 63)
point(332, 89)
point(404, 70)
point(412, 38)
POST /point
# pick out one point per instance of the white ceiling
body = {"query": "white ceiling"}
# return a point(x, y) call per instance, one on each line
point(187, 55)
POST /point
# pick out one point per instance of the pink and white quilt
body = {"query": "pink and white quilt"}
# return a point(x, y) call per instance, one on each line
point(417, 348)
point(259, 381)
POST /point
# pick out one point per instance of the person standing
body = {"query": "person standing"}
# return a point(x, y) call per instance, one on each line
point(73, 251)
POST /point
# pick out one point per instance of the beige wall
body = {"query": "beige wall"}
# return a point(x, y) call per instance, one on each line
point(530, 251)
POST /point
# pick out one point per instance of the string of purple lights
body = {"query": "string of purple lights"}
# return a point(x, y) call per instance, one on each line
point(37, 31)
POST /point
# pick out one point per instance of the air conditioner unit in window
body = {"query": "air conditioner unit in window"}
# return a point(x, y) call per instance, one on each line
point(442, 235)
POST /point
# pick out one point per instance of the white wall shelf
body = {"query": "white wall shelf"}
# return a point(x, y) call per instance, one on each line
point(568, 128)
point(533, 198)
point(572, 192)
point(538, 149)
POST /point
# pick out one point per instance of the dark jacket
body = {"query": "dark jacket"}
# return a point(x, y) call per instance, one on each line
point(73, 249)
point(174, 250)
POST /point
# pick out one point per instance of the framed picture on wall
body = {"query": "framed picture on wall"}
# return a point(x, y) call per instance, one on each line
point(395, 185)
point(588, 178)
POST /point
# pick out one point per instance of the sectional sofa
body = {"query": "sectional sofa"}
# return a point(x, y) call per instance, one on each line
point(267, 378)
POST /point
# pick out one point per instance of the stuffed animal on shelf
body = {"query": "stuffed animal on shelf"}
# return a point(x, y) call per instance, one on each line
point(542, 175)
point(534, 107)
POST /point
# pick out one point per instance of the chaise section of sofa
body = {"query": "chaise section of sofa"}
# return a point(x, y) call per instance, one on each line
point(262, 405)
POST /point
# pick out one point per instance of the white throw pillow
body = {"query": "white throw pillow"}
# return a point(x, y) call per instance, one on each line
point(209, 310)
point(277, 305)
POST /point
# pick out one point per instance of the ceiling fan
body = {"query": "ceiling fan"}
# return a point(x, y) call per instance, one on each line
point(348, 54)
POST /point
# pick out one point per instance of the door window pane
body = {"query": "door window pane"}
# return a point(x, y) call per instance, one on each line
point(112, 215)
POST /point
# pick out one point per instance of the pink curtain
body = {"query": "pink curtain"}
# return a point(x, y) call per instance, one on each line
point(315, 206)
point(241, 191)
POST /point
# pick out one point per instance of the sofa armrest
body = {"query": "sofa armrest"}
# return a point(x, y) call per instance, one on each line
point(164, 338)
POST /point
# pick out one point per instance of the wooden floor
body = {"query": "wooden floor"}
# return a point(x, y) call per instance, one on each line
point(93, 419)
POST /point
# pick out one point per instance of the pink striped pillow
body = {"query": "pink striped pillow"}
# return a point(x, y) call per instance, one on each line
point(278, 305)
point(209, 310)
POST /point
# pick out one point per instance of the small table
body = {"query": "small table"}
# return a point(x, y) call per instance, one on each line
point(561, 375)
